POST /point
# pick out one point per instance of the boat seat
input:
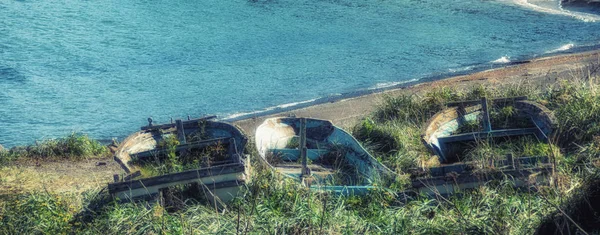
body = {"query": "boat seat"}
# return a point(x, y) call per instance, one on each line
point(312, 167)
point(295, 170)
point(294, 154)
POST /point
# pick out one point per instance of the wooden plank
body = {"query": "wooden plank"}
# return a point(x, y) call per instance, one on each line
point(510, 161)
point(302, 147)
point(214, 186)
point(180, 131)
point(487, 125)
point(232, 151)
point(181, 176)
point(170, 125)
point(163, 151)
point(443, 170)
point(520, 162)
point(478, 177)
point(133, 175)
point(540, 134)
point(474, 102)
point(490, 134)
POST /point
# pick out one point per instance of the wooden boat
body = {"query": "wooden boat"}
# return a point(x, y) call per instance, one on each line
point(523, 172)
point(443, 128)
point(220, 176)
point(318, 154)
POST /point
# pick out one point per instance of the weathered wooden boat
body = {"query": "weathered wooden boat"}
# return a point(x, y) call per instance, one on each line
point(443, 128)
point(318, 154)
point(523, 172)
point(219, 176)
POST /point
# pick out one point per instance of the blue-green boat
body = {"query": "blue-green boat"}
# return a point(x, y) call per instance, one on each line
point(318, 154)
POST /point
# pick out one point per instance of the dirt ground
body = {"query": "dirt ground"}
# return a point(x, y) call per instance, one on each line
point(57, 176)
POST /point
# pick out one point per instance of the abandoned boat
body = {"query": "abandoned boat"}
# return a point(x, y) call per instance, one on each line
point(460, 123)
point(318, 154)
point(448, 126)
point(216, 150)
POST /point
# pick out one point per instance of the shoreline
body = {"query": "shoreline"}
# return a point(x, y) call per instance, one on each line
point(346, 109)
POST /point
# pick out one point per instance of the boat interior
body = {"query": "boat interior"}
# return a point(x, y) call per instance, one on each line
point(462, 123)
point(315, 152)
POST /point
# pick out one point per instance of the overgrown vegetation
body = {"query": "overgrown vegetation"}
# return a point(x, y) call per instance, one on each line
point(173, 162)
point(272, 204)
point(394, 131)
point(74, 146)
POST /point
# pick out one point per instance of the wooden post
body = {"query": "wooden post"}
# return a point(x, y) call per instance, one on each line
point(487, 126)
point(510, 161)
point(180, 131)
point(302, 147)
point(232, 150)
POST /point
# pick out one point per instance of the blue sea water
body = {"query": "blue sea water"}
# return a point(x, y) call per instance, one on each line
point(103, 67)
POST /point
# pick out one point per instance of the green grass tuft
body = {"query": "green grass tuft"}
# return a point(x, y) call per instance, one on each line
point(74, 146)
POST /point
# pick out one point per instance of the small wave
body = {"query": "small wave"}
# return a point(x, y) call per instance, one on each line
point(236, 115)
point(502, 60)
point(282, 106)
point(390, 84)
point(558, 11)
point(565, 47)
point(458, 70)
point(384, 85)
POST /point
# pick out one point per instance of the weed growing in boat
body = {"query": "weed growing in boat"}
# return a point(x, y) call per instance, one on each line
point(174, 162)
point(293, 143)
point(345, 173)
point(469, 126)
point(200, 134)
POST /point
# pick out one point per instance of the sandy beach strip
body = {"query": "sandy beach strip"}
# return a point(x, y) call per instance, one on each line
point(346, 112)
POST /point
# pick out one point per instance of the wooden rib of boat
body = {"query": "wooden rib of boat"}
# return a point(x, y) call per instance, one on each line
point(523, 172)
point(318, 154)
point(443, 127)
point(220, 178)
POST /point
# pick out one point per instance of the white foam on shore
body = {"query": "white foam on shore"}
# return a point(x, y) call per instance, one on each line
point(565, 47)
point(294, 104)
point(558, 11)
point(282, 106)
point(382, 85)
point(460, 69)
point(502, 60)
point(236, 115)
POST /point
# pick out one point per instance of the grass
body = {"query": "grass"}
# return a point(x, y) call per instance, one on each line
point(174, 162)
point(74, 146)
point(393, 131)
point(273, 204)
